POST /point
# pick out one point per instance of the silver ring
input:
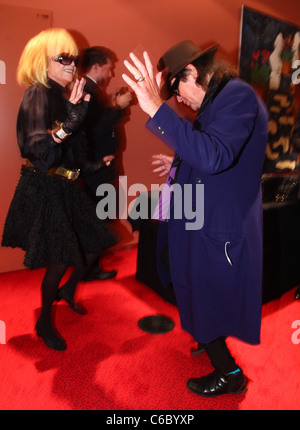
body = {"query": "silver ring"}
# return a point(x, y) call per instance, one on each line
point(140, 79)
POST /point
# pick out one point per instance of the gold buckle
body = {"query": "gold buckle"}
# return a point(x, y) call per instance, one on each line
point(71, 175)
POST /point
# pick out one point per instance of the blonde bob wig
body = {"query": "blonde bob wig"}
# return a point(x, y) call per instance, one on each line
point(32, 68)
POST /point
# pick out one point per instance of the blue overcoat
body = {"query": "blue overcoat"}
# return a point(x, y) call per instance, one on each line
point(216, 270)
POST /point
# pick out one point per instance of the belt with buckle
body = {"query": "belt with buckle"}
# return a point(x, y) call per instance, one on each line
point(70, 175)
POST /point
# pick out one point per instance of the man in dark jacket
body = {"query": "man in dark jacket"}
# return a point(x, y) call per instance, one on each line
point(104, 114)
point(215, 264)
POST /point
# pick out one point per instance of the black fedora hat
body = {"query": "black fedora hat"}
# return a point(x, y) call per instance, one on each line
point(177, 58)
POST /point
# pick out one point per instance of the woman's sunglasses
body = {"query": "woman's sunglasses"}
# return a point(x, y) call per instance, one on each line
point(66, 59)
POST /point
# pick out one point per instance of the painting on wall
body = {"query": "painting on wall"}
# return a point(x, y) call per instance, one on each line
point(269, 61)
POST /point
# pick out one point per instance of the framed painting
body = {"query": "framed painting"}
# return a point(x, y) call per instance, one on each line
point(269, 61)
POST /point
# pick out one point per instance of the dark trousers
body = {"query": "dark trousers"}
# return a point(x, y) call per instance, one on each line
point(220, 356)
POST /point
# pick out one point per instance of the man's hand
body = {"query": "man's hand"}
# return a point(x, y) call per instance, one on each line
point(146, 85)
point(163, 162)
point(123, 99)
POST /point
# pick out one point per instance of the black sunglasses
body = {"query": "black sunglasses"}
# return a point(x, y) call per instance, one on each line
point(182, 74)
point(174, 87)
point(66, 59)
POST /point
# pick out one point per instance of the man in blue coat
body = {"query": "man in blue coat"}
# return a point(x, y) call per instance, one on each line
point(215, 266)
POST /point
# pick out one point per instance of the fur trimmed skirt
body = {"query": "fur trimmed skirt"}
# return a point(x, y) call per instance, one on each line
point(54, 221)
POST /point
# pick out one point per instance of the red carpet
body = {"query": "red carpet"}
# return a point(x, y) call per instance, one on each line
point(111, 364)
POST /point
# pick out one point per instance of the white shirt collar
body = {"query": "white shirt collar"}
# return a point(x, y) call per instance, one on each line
point(92, 79)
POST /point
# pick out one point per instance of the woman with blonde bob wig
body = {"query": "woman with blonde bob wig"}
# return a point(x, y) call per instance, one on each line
point(50, 217)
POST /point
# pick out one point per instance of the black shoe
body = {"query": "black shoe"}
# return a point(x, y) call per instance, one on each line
point(99, 276)
point(215, 384)
point(198, 350)
point(52, 340)
point(76, 307)
point(297, 294)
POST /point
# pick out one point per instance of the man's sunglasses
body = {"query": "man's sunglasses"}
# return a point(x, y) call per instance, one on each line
point(174, 87)
point(66, 59)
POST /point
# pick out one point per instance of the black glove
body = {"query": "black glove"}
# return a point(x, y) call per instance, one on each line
point(76, 115)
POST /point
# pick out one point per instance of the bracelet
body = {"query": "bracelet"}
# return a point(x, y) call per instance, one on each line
point(60, 134)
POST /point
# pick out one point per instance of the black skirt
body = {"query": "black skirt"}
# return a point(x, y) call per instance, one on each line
point(54, 221)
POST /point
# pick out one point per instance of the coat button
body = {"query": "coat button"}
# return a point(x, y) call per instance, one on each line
point(160, 130)
point(198, 181)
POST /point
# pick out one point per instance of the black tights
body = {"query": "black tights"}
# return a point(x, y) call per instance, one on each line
point(77, 275)
point(50, 284)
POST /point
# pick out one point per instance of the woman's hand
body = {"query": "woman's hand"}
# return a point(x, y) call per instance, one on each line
point(76, 107)
point(76, 112)
point(77, 92)
point(163, 162)
point(145, 84)
point(108, 159)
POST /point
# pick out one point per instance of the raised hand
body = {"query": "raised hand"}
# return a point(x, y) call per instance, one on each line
point(145, 84)
point(77, 92)
point(76, 107)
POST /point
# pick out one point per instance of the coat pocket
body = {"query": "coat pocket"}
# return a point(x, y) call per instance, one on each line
point(225, 245)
